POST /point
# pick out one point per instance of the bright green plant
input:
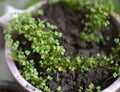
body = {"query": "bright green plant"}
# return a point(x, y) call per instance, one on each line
point(59, 89)
point(116, 50)
point(115, 55)
point(96, 13)
point(91, 88)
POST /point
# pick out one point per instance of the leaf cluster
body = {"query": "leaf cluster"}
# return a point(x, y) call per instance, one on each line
point(115, 55)
point(91, 88)
point(96, 14)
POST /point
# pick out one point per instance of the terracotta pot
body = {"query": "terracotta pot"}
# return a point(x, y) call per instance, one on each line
point(115, 87)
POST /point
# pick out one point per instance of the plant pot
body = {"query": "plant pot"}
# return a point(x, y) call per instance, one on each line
point(115, 87)
point(29, 88)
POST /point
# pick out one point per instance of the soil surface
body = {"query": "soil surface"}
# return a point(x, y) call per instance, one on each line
point(70, 23)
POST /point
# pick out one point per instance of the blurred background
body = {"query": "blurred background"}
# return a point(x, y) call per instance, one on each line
point(16, 3)
point(22, 4)
point(117, 5)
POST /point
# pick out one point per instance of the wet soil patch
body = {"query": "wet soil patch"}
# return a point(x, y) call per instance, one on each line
point(70, 23)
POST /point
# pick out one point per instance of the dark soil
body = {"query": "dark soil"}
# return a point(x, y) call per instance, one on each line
point(71, 81)
point(70, 23)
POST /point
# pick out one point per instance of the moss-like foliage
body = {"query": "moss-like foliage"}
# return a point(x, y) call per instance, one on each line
point(115, 55)
point(96, 13)
point(90, 88)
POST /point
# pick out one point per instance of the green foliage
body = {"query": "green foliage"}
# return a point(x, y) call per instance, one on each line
point(59, 89)
point(115, 55)
point(27, 26)
point(85, 63)
point(116, 50)
point(91, 88)
point(116, 68)
point(96, 13)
